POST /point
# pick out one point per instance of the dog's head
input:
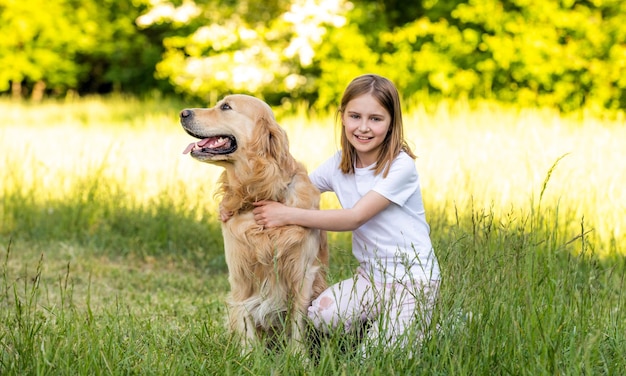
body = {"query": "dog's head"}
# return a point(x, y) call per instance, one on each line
point(236, 126)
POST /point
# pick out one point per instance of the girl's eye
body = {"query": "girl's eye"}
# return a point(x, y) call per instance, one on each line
point(225, 107)
point(354, 116)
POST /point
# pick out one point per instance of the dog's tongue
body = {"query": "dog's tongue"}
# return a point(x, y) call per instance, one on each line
point(193, 145)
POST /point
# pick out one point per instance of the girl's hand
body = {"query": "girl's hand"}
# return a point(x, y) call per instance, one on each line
point(270, 213)
point(225, 215)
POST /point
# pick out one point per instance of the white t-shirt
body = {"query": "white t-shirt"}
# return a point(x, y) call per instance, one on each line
point(394, 244)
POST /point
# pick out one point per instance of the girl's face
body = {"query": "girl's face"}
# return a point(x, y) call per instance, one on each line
point(366, 124)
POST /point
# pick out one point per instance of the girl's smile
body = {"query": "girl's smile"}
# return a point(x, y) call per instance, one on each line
point(366, 124)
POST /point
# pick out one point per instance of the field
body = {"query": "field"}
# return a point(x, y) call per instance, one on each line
point(112, 258)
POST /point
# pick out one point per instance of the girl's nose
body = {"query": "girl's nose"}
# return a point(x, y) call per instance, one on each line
point(363, 126)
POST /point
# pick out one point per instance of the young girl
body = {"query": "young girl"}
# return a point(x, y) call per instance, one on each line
point(376, 181)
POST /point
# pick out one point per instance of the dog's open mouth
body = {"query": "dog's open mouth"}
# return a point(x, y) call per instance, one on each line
point(216, 145)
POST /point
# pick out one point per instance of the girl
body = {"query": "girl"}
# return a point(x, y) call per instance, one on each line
point(376, 181)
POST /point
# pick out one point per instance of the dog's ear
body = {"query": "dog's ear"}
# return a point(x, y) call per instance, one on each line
point(269, 139)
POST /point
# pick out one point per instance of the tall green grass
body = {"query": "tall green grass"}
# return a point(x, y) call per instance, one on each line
point(112, 259)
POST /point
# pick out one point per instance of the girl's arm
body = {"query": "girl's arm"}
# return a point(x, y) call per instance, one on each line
point(273, 214)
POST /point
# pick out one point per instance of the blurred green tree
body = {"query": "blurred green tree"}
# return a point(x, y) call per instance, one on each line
point(85, 46)
point(265, 48)
point(38, 45)
point(568, 53)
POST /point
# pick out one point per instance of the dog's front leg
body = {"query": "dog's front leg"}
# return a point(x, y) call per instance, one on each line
point(250, 338)
point(298, 307)
point(297, 332)
point(243, 326)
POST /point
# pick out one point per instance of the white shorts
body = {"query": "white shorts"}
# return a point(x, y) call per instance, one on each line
point(392, 308)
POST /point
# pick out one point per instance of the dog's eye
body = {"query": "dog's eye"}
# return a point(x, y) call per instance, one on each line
point(225, 107)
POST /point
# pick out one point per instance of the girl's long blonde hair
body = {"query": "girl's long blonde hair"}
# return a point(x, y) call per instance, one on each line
point(385, 92)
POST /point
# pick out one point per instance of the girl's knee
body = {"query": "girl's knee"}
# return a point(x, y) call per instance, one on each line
point(322, 312)
point(325, 302)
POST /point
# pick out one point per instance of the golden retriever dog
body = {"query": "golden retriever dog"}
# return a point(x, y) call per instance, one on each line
point(274, 273)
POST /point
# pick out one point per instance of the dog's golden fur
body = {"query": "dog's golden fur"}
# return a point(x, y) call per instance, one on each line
point(274, 273)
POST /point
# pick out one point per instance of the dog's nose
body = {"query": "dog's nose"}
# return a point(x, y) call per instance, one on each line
point(186, 113)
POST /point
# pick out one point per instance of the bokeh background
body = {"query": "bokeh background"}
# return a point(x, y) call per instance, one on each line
point(569, 54)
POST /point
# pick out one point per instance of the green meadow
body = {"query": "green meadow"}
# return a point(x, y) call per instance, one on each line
point(111, 258)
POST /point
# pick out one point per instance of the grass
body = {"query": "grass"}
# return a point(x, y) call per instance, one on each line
point(112, 258)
